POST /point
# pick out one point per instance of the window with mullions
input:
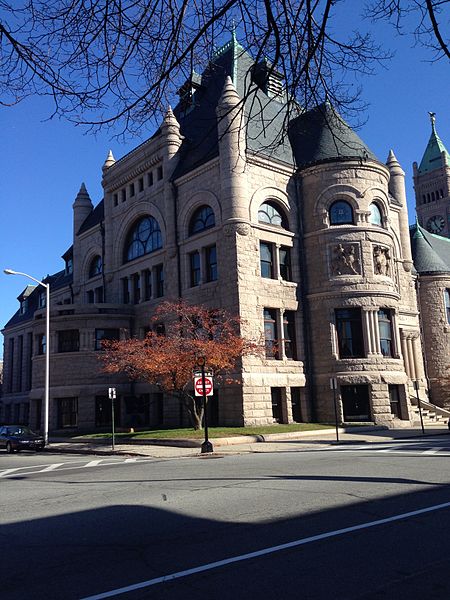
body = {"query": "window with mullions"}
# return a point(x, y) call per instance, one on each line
point(270, 333)
point(341, 213)
point(194, 268)
point(211, 263)
point(96, 266)
point(41, 343)
point(385, 328)
point(290, 345)
point(349, 332)
point(375, 214)
point(67, 412)
point(447, 304)
point(69, 340)
point(159, 276)
point(285, 263)
point(270, 214)
point(144, 238)
point(105, 334)
point(266, 260)
point(203, 218)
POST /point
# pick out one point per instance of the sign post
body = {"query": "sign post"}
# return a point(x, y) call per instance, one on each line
point(112, 397)
point(203, 386)
point(416, 385)
point(333, 386)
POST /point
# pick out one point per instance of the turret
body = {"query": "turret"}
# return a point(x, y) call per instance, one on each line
point(110, 160)
point(170, 130)
point(398, 190)
point(82, 207)
point(231, 131)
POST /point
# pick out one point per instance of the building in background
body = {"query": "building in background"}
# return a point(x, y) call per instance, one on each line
point(306, 237)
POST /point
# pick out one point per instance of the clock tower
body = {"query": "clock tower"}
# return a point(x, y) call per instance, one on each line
point(432, 185)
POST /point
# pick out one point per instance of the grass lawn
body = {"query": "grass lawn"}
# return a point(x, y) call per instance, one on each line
point(214, 432)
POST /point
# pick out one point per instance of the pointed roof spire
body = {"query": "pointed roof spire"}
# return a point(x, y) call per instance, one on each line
point(432, 158)
point(110, 160)
point(170, 119)
point(83, 197)
point(229, 96)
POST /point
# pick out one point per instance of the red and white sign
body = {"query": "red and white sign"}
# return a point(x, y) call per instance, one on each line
point(198, 386)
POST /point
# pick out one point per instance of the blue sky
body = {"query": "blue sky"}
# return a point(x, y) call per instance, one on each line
point(44, 162)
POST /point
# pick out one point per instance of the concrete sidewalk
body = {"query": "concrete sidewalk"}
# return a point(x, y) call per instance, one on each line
point(276, 442)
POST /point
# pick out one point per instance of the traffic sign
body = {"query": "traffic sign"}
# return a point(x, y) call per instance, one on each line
point(198, 386)
point(112, 393)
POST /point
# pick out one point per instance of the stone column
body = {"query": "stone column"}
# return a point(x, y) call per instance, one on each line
point(403, 341)
point(409, 344)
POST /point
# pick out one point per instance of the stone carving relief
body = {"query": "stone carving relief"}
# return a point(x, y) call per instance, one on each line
point(382, 261)
point(345, 260)
point(239, 228)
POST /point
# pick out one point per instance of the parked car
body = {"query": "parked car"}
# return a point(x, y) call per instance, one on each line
point(19, 437)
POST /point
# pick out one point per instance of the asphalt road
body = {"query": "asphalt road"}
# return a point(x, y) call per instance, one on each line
point(346, 523)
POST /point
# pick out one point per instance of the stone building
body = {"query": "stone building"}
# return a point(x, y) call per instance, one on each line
point(306, 237)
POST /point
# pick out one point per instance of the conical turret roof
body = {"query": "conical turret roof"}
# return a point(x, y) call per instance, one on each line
point(322, 135)
point(431, 159)
point(431, 253)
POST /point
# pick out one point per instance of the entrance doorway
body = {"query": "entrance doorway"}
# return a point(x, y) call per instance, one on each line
point(355, 402)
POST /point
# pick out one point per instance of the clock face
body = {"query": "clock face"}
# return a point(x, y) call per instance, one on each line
point(436, 224)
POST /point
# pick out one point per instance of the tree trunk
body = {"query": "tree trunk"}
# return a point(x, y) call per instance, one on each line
point(194, 407)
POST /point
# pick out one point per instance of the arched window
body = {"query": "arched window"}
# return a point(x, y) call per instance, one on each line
point(96, 266)
point(203, 218)
point(145, 237)
point(270, 214)
point(341, 213)
point(375, 214)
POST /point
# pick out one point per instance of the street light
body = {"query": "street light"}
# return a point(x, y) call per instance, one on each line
point(47, 344)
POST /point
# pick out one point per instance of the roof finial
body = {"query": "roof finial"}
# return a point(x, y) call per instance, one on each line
point(433, 121)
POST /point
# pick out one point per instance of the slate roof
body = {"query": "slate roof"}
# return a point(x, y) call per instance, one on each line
point(431, 253)
point(431, 159)
point(198, 121)
point(95, 217)
point(57, 281)
point(321, 135)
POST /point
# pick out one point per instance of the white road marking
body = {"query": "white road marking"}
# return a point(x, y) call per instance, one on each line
point(265, 551)
point(8, 471)
point(52, 467)
point(433, 450)
point(92, 463)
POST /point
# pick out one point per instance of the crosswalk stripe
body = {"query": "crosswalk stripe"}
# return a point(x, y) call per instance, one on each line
point(433, 450)
point(52, 467)
point(8, 471)
point(93, 463)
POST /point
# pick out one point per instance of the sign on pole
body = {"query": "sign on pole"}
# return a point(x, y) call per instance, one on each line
point(198, 386)
point(112, 393)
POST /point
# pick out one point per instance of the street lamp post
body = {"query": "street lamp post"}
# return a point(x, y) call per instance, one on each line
point(47, 344)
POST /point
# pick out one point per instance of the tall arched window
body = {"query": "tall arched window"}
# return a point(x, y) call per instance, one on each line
point(203, 218)
point(144, 237)
point(375, 214)
point(270, 214)
point(341, 213)
point(96, 266)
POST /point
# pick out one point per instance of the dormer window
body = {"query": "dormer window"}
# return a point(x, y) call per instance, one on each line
point(23, 306)
point(41, 300)
point(69, 266)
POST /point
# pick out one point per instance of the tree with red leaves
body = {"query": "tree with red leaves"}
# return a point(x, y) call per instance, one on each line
point(179, 335)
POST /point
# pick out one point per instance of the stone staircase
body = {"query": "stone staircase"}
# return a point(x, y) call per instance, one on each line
point(431, 414)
